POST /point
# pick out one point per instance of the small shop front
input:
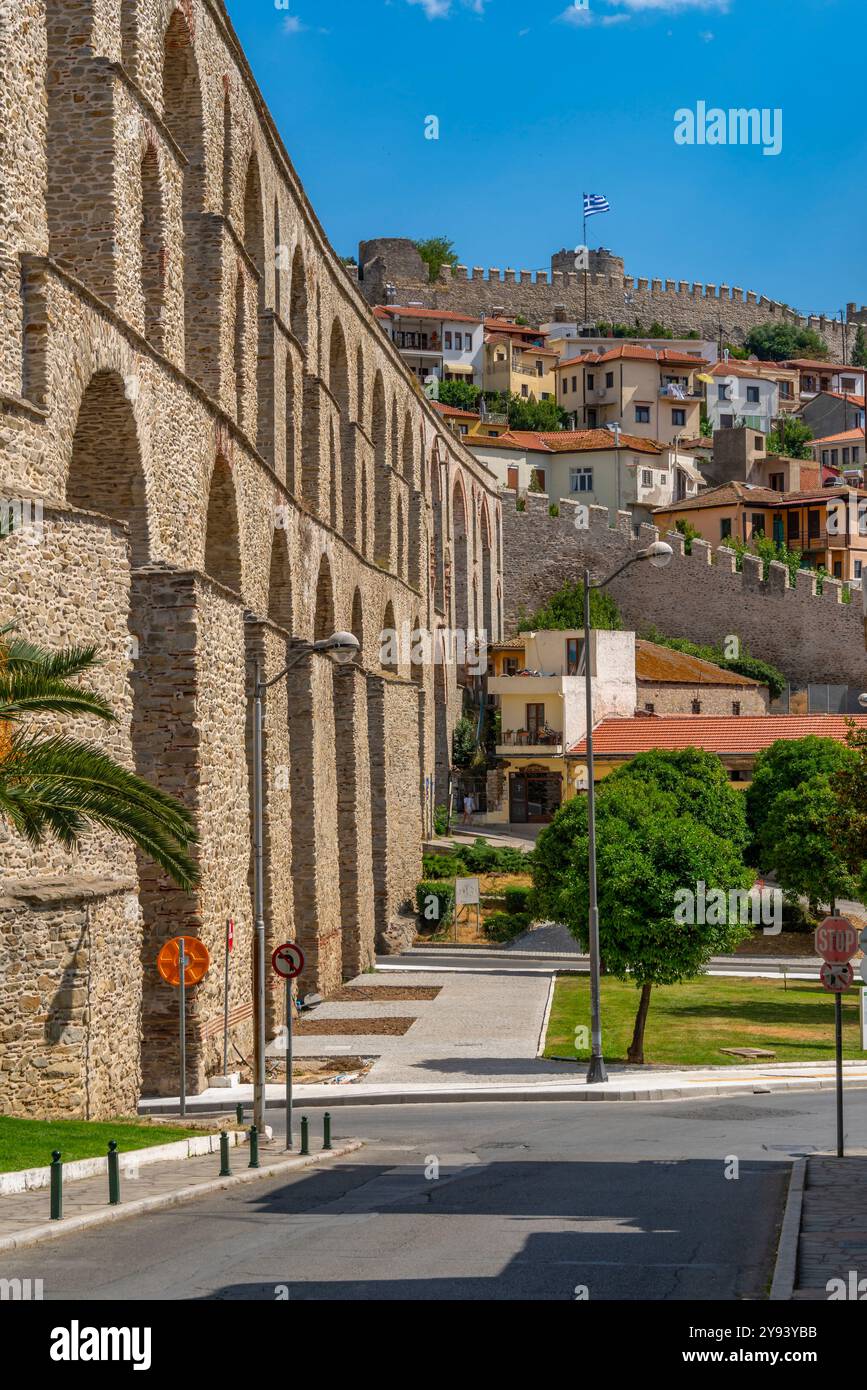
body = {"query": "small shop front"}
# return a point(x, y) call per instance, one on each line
point(535, 794)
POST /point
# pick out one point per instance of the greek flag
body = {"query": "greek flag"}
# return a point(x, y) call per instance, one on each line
point(595, 202)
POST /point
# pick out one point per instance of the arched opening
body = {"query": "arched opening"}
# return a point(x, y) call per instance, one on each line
point(438, 553)
point(363, 541)
point(408, 453)
point(323, 617)
point(401, 539)
point(222, 536)
point(253, 235)
point(298, 298)
point(344, 467)
point(382, 477)
point(487, 578)
point(105, 471)
point(152, 247)
point(182, 110)
point(388, 642)
point(278, 261)
point(359, 385)
point(240, 348)
point(338, 369)
point(461, 557)
point(358, 625)
point(333, 478)
point(416, 652)
point(280, 583)
point(291, 433)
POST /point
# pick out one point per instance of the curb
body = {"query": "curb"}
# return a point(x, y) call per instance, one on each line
point(36, 1235)
point(34, 1179)
point(541, 1092)
point(786, 1267)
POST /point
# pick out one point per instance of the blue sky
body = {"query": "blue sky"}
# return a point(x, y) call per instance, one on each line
point(538, 102)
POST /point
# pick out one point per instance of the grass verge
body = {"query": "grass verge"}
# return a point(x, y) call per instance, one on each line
point(28, 1143)
point(688, 1024)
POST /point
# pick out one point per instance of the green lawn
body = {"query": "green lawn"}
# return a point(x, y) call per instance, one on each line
point(28, 1143)
point(689, 1023)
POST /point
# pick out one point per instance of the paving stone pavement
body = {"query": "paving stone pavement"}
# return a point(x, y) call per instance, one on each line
point(833, 1239)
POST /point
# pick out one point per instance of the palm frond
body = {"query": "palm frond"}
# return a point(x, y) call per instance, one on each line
point(19, 654)
point(31, 692)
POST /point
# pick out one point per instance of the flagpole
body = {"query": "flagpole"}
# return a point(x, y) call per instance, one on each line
point(586, 255)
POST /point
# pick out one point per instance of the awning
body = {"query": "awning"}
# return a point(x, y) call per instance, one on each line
point(458, 368)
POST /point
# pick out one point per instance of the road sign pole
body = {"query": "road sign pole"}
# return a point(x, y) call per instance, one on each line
point(182, 966)
point(226, 999)
point(288, 1064)
point(838, 1045)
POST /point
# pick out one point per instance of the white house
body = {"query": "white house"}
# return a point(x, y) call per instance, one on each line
point(742, 394)
point(448, 347)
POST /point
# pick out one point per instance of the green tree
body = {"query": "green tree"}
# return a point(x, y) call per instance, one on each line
point(788, 765)
point(792, 441)
point(798, 847)
point(53, 785)
point(699, 784)
point(460, 394)
point(859, 351)
point(689, 533)
point(531, 414)
point(436, 252)
point(565, 609)
point(648, 852)
point(848, 822)
point(463, 743)
point(777, 342)
point(658, 330)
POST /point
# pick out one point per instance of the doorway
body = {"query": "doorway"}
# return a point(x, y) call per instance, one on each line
point(534, 796)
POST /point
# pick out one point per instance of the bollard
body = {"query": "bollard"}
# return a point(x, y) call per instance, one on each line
point(225, 1169)
point(305, 1135)
point(239, 1113)
point(326, 1131)
point(113, 1174)
point(56, 1185)
point(254, 1147)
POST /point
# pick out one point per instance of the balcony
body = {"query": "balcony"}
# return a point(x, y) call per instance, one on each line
point(538, 742)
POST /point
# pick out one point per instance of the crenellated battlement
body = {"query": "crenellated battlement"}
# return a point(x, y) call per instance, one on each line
point(702, 595)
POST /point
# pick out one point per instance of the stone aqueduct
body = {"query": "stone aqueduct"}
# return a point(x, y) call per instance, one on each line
point(227, 454)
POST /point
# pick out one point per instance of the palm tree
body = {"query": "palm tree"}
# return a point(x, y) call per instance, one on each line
point(54, 785)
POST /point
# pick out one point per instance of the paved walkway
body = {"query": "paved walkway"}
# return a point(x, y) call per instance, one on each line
point(25, 1216)
point(833, 1239)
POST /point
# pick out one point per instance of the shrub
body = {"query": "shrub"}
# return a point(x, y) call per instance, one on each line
point(441, 866)
point(441, 820)
point(505, 926)
point(517, 899)
point(435, 901)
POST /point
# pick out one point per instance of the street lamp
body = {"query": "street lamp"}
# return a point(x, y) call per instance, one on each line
point(659, 555)
point(342, 647)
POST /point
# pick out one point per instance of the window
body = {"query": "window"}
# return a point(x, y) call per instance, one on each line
point(778, 482)
point(609, 379)
point(722, 393)
point(546, 395)
point(725, 528)
point(856, 570)
point(535, 722)
point(759, 444)
point(793, 525)
point(758, 522)
point(642, 414)
point(463, 429)
point(540, 368)
point(786, 392)
point(591, 381)
point(736, 706)
point(826, 457)
point(512, 478)
point(580, 479)
point(678, 417)
point(575, 383)
point(646, 478)
point(539, 475)
point(814, 525)
point(447, 339)
point(856, 453)
point(650, 708)
point(525, 391)
point(847, 383)
point(565, 385)
point(833, 458)
point(753, 395)
point(510, 666)
point(838, 569)
point(573, 656)
point(809, 383)
point(696, 706)
point(726, 422)
point(845, 457)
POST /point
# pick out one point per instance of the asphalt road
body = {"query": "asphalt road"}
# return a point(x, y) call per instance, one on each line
point(530, 1202)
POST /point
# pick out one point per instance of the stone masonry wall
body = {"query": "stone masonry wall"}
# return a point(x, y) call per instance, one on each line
point(699, 596)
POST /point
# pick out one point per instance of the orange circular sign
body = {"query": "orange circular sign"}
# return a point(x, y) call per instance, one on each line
point(197, 956)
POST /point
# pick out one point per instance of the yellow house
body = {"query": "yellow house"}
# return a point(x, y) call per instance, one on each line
point(519, 367)
point(654, 393)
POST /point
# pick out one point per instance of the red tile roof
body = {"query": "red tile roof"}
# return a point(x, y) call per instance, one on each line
point(847, 437)
point(735, 734)
point(666, 666)
point(452, 411)
point(568, 441)
point(633, 352)
point(810, 364)
point(391, 311)
point(507, 326)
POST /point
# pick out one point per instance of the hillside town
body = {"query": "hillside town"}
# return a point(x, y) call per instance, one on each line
point(431, 700)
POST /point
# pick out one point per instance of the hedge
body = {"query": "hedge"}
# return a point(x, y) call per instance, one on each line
point(443, 893)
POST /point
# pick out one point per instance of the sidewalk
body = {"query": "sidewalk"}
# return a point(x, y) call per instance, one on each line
point(832, 1243)
point(25, 1216)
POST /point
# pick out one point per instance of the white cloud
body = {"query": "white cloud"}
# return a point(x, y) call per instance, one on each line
point(434, 9)
point(293, 25)
point(577, 16)
point(671, 6)
point(707, 36)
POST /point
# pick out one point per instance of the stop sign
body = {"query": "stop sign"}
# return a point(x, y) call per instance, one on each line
point(836, 939)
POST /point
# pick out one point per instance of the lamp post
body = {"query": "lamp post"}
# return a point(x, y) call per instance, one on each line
point(659, 554)
point(342, 647)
